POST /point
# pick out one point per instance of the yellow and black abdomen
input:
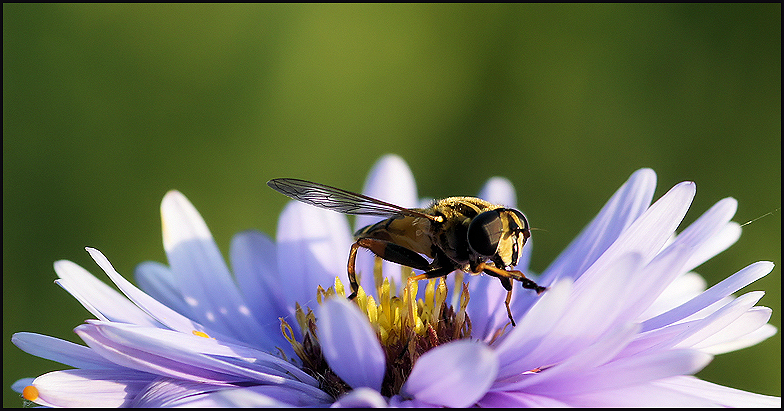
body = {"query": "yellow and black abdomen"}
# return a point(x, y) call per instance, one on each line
point(405, 231)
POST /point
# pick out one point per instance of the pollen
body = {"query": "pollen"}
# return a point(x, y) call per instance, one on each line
point(30, 393)
point(405, 326)
point(200, 334)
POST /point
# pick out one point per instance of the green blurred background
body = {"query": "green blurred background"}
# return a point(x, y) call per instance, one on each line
point(106, 107)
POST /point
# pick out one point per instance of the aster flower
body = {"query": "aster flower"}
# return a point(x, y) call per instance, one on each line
point(624, 321)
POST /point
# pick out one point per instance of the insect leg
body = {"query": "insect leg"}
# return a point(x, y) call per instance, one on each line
point(386, 250)
point(507, 283)
point(435, 273)
point(352, 274)
point(514, 275)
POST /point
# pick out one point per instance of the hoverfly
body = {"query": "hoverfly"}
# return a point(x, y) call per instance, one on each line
point(457, 233)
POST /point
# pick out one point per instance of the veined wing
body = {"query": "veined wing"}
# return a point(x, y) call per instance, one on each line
point(339, 200)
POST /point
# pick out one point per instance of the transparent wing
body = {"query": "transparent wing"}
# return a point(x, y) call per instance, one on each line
point(335, 199)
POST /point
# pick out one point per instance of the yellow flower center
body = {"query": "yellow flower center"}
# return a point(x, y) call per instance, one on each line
point(406, 327)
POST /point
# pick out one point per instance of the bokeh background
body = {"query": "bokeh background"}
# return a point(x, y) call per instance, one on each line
point(106, 107)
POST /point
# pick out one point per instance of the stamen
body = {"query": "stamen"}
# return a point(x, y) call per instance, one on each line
point(439, 300)
point(339, 288)
point(378, 277)
point(406, 327)
point(288, 334)
point(371, 310)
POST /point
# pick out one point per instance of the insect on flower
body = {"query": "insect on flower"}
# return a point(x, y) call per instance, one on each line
point(457, 233)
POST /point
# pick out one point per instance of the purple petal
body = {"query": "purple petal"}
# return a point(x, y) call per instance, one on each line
point(157, 281)
point(626, 372)
point(589, 314)
point(514, 399)
point(745, 340)
point(189, 357)
point(648, 234)
point(269, 396)
point(486, 309)
point(362, 397)
point(254, 261)
point(499, 190)
point(313, 246)
point(163, 314)
point(651, 280)
point(706, 228)
point(513, 352)
point(173, 393)
point(679, 291)
point(201, 272)
point(648, 395)
point(349, 344)
point(165, 392)
point(389, 180)
point(729, 234)
point(64, 352)
point(456, 374)
point(585, 359)
point(19, 385)
point(625, 206)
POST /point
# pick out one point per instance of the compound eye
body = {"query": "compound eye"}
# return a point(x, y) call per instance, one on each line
point(525, 230)
point(484, 233)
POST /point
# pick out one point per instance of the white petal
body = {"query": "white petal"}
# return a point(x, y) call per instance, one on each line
point(719, 291)
point(749, 329)
point(101, 300)
point(720, 395)
point(90, 388)
point(717, 321)
point(753, 338)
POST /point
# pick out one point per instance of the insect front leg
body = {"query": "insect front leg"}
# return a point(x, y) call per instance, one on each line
point(387, 251)
point(513, 274)
point(506, 278)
